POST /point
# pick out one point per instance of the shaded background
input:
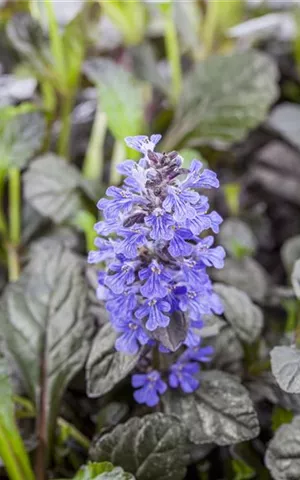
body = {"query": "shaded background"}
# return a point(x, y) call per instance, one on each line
point(221, 81)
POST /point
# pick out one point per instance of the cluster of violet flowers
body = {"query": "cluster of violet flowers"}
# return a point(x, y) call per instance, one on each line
point(156, 261)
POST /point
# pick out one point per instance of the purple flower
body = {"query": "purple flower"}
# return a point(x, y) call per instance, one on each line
point(123, 200)
point(198, 178)
point(142, 143)
point(124, 274)
point(106, 251)
point(196, 303)
point(154, 311)
point(215, 221)
point(178, 246)
point(211, 257)
point(156, 262)
point(132, 336)
point(181, 375)
point(193, 338)
point(201, 221)
point(124, 303)
point(156, 277)
point(133, 239)
point(161, 224)
point(149, 386)
point(200, 354)
point(106, 227)
point(180, 203)
point(194, 274)
point(126, 167)
point(216, 304)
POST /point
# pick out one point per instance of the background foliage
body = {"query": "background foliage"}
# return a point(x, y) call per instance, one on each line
point(221, 81)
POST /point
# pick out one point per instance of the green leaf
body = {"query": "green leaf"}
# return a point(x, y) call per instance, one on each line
point(51, 187)
point(174, 334)
point(121, 97)
point(242, 470)
point(283, 454)
point(285, 363)
point(102, 471)
point(220, 411)
point(106, 367)
point(237, 238)
point(15, 89)
point(12, 450)
point(73, 40)
point(111, 414)
point(151, 447)
point(285, 120)
point(245, 274)
point(239, 310)
point(21, 135)
point(146, 68)
point(280, 416)
point(290, 252)
point(29, 39)
point(229, 352)
point(222, 99)
point(43, 325)
point(296, 278)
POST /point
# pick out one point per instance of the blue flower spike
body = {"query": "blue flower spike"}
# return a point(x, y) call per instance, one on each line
point(155, 240)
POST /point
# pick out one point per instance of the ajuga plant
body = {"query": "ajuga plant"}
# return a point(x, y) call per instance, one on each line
point(156, 244)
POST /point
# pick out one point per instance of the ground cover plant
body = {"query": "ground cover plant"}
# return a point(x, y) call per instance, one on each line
point(149, 240)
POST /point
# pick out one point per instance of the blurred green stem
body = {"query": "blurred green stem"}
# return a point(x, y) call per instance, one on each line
point(14, 200)
point(210, 26)
point(129, 17)
point(49, 103)
point(3, 226)
point(14, 179)
point(86, 221)
point(10, 460)
point(232, 193)
point(291, 308)
point(297, 37)
point(56, 43)
point(66, 121)
point(173, 55)
point(74, 433)
point(117, 157)
point(93, 162)
point(35, 9)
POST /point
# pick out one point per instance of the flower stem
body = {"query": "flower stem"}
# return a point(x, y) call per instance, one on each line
point(13, 263)
point(117, 157)
point(74, 433)
point(155, 358)
point(14, 205)
point(66, 111)
point(94, 159)
point(173, 55)
point(49, 104)
point(14, 199)
point(3, 226)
